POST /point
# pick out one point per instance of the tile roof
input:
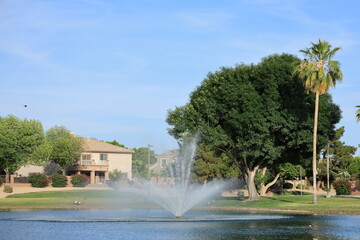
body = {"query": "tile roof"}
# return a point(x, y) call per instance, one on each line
point(93, 145)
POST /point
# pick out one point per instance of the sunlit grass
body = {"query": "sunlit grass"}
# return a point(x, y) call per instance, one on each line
point(288, 202)
point(66, 199)
point(117, 199)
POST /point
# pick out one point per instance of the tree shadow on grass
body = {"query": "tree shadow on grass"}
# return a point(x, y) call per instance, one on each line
point(279, 200)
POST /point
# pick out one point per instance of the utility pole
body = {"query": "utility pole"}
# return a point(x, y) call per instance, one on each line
point(327, 170)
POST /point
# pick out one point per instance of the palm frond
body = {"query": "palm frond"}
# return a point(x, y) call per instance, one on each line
point(319, 72)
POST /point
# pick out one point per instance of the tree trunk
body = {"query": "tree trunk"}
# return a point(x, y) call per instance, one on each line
point(264, 187)
point(249, 178)
point(314, 146)
point(320, 184)
point(7, 175)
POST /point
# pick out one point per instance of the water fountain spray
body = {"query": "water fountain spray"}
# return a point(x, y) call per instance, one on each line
point(181, 194)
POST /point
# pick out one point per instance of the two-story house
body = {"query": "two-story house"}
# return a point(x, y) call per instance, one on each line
point(97, 160)
point(100, 158)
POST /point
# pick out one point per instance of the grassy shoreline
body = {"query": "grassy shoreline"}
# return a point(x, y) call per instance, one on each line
point(107, 199)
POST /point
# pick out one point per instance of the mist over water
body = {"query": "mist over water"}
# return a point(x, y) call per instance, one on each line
point(179, 194)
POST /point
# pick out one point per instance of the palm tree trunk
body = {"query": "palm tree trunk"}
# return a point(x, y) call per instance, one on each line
point(314, 146)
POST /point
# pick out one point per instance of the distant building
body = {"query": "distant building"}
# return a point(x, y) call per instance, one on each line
point(97, 160)
point(163, 160)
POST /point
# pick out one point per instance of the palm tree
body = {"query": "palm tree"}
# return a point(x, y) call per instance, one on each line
point(319, 73)
point(358, 113)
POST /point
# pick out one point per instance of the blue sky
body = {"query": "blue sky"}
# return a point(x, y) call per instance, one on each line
point(111, 69)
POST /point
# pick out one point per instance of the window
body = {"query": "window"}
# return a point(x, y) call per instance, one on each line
point(85, 157)
point(103, 157)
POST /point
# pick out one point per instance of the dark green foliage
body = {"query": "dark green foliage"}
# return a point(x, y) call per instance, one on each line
point(288, 185)
point(8, 189)
point(66, 147)
point(211, 165)
point(341, 154)
point(259, 115)
point(116, 143)
point(20, 142)
point(354, 167)
point(342, 186)
point(79, 180)
point(140, 161)
point(58, 180)
point(38, 180)
point(291, 171)
point(341, 158)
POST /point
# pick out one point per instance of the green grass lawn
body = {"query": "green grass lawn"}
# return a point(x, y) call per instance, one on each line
point(116, 199)
point(65, 199)
point(289, 202)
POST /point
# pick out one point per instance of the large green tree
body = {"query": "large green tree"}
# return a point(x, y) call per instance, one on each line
point(210, 164)
point(358, 113)
point(21, 143)
point(259, 115)
point(319, 73)
point(354, 168)
point(140, 161)
point(341, 156)
point(66, 146)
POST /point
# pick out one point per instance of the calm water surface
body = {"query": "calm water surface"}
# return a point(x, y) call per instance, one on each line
point(158, 224)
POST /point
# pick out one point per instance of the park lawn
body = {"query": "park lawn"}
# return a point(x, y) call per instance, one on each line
point(105, 199)
point(65, 199)
point(298, 203)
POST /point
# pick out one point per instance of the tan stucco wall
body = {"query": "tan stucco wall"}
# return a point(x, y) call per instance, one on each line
point(120, 161)
point(25, 170)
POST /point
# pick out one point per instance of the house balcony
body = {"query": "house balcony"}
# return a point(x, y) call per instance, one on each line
point(91, 165)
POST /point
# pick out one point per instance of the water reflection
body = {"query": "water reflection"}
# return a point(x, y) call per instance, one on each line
point(157, 224)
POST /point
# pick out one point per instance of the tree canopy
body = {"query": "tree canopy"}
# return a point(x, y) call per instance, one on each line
point(20, 142)
point(259, 115)
point(140, 161)
point(341, 155)
point(116, 143)
point(210, 164)
point(66, 146)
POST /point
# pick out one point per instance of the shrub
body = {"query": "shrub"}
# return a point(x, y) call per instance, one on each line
point(58, 180)
point(38, 180)
point(288, 185)
point(79, 180)
point(115, 175)
point(8, 189)
point(342, 186)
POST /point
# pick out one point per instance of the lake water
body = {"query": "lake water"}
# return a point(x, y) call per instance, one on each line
point(158, 224)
